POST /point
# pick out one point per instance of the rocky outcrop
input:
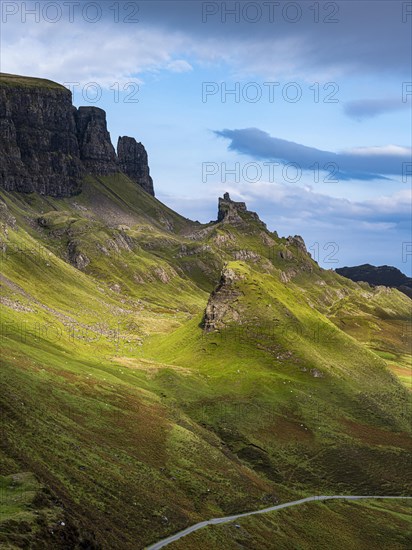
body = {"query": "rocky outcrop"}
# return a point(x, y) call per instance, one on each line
point(47, 146)
point(298, 242)
point(134, 163)
point(229, 210)
point(96, 150)
point(77, 258)
point(295, 257)
point(39, 151)
point(235, 212)
point(220, 309)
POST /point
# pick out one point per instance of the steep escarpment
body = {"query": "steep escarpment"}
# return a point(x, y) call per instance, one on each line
point(96, 150)
point(39, 150)
point(47, 145)
point(133, 162)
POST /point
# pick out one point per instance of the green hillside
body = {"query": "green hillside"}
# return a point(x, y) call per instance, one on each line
point(157, 372)
point(349, 525)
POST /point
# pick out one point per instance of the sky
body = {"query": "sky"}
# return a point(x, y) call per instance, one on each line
point(301, 109)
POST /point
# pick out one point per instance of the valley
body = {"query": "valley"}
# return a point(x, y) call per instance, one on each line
point(157, 372)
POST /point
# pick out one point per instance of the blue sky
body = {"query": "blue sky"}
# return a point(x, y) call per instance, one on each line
point(316, 85)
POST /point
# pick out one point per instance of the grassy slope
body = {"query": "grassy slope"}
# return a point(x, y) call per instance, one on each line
point(272, 411)
point(135, 420)
point(14, 81)
point(349, 525)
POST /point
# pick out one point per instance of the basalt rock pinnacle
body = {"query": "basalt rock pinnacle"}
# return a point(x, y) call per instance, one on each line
point(133, 162)
point(96, 150)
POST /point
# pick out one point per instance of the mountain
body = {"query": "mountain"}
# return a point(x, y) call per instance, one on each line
point(156, 371)
point(383, 275)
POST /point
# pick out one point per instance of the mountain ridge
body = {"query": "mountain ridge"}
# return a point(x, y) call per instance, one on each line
point(378, 275)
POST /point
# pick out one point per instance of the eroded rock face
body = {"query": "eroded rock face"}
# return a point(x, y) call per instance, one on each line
point(96, 150)
point(47, 146)
point(39, 151)
point(134, 163)
point(220, 308)
point(297, 241)
point(288, 275)
point(231, 212)
point(77, 258)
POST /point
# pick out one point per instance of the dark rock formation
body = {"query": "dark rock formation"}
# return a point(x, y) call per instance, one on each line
point(231, 212)
point(385, 275)
point(47, 146)
point(133, 162)
point(96, 150)
point(38, 144)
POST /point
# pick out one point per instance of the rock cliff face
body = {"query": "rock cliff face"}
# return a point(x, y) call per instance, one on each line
point(96, 150)
point(47, 145)
point(38, 143)
point(133, 162)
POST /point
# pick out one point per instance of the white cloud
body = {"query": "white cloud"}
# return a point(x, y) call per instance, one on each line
point(272, 49)
point(315, 206)
point(378, 226)
point(179, 66)
point(84, 53)
point(378, 150)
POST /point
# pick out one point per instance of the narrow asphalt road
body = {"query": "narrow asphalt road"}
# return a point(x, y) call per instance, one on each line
point(227, 519)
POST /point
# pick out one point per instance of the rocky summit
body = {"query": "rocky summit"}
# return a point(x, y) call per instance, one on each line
point(48, 146)
point(230, 211)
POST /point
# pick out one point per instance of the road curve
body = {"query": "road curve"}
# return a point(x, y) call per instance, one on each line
point(227, 519)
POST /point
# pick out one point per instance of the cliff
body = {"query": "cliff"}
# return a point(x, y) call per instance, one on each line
point(48, 146)
point(96, 150)
point(39, 150)
point(134, 163)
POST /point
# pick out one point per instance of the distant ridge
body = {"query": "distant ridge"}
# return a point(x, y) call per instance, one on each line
point(385, 275)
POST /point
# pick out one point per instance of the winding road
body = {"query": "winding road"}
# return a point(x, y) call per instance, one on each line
point(227, 519)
